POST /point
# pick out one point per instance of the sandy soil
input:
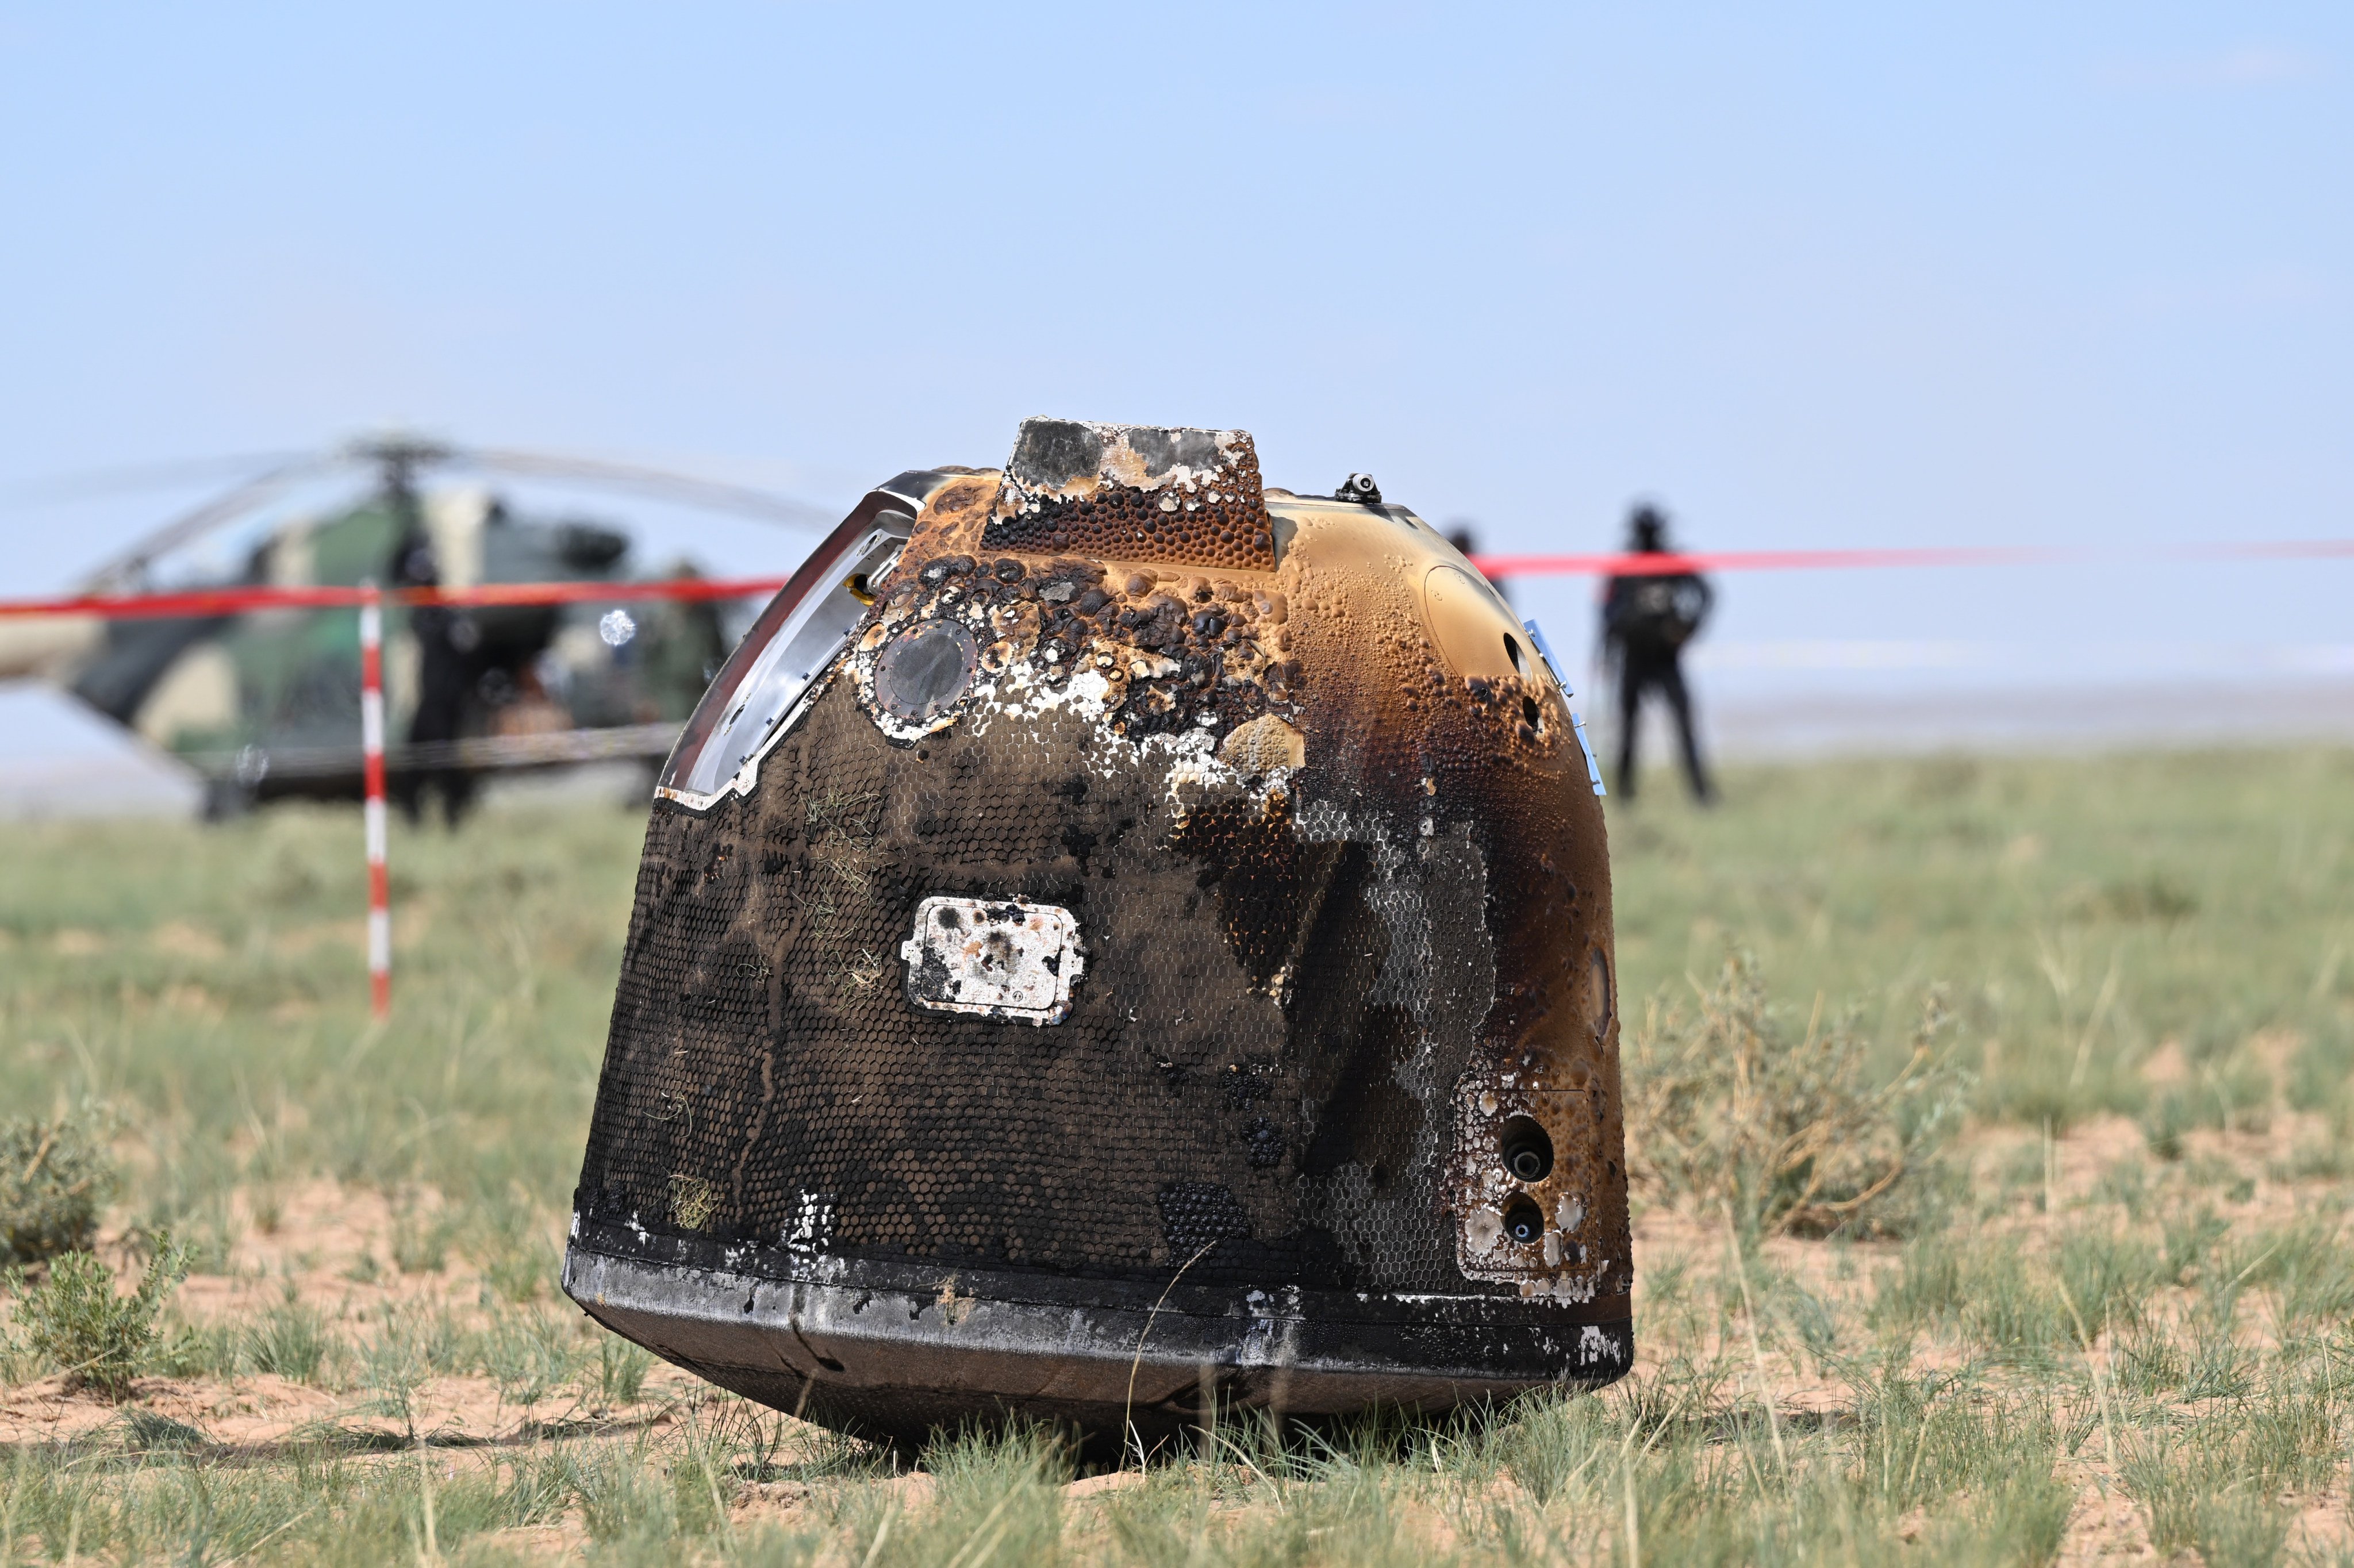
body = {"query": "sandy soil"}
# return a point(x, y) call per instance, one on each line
point(328, 1247)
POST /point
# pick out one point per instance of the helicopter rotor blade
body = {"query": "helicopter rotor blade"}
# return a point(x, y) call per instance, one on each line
point(254, 493)
point(714, 493)
point(91, 484)
point(288, 469)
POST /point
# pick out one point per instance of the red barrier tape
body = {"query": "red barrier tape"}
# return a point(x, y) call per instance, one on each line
point(236, 600)
point(1613, 566)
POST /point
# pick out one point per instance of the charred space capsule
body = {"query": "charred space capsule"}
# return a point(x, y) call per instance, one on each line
point(1114, 935)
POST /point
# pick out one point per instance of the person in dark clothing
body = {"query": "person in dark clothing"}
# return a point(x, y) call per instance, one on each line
point(446, 672)
point(1647, 619)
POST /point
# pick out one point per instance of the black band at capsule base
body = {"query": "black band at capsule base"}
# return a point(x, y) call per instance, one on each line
point(894, 1351)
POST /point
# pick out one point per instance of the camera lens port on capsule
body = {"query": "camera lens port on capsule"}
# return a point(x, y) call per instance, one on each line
point(1528, 1151)
point(1524, 1221)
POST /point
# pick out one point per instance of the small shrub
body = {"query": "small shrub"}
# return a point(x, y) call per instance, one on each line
point(100, 1339)
point(1722, 1109)
point(54, 1180)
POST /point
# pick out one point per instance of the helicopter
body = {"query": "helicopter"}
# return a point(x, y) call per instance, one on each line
point(263, 704)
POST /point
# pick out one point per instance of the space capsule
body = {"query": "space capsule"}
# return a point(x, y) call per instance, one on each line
point(1116, 936)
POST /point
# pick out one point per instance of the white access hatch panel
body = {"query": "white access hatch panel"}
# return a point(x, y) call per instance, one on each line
point(1002, 958)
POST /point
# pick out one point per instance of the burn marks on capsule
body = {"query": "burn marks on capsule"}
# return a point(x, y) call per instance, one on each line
point(1133, 492)
point(1268, 884)
point(1197, 1215)
point(1148, 653)
point(922, 676)
point(1524, 1180)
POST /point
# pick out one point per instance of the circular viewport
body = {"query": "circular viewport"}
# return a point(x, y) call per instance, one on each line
point(925, 672)
point(1528, 1152)
point(1524, 1221)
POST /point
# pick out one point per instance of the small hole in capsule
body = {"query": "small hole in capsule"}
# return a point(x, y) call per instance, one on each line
point(1512, 651)
point(1524, 1221)
point(1530, 711)
point(1527, 1149)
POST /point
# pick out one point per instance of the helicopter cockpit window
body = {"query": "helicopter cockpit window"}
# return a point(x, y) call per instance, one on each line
point(760, 693)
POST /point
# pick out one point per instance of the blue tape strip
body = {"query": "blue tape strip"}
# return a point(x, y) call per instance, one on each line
point(1544, 652)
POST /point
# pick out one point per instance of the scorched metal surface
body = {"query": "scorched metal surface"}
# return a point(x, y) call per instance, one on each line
point(1151, 936)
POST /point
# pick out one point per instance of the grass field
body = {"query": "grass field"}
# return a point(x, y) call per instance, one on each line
point(2106, 1311)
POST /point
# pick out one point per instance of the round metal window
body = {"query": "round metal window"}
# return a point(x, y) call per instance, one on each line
point(923, 674)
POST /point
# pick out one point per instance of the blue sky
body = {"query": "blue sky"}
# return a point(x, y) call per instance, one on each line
point(1812, 274)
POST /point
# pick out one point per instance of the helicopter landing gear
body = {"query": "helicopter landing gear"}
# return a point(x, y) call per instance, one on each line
point(224, 801)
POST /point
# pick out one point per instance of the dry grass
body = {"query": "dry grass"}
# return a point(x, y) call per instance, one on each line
point(1724, 1112)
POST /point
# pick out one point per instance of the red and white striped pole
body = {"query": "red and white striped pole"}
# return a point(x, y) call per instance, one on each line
point(379, 920)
